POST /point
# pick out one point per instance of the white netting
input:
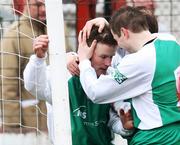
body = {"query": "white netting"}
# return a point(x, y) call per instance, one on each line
point(23, 117)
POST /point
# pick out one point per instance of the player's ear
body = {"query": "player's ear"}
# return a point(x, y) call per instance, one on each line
point(124, 32)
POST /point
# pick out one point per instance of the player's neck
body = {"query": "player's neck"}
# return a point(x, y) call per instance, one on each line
point(139, 39)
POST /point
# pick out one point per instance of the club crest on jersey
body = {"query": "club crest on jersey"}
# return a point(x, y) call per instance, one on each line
point(120, 78)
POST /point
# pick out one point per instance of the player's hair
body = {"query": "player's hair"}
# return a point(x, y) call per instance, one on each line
point(105, 37)
point(150, 18)
point(130, 18)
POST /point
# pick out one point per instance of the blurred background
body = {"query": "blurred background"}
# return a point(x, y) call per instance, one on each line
point(77, 12)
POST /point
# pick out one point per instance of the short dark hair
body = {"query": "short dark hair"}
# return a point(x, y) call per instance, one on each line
point(130, 18)
point(105, 37)
point(150, 18)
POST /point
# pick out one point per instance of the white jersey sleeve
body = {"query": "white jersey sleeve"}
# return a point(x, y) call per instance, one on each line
point(116, 125)
point(130, 79)
point(36, 79)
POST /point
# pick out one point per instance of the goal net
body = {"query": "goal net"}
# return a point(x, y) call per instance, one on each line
point(23, 118)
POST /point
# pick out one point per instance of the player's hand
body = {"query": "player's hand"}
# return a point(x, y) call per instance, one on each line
point(126, 119)
point(84, 51)
point(72, 64)
point(100, 22)
point(40, 45)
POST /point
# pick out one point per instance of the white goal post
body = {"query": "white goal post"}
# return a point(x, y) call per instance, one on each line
point(57, 57)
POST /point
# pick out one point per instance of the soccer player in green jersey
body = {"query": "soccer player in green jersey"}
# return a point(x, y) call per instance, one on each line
point(145, 76)
point(89, 121)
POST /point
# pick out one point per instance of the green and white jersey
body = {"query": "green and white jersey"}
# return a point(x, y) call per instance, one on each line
point(88, 120)
point(147, 77)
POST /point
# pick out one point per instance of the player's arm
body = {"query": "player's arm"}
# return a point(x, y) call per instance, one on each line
point(117, 126)
point(36, 79)
point(100, 22)
point(126, 81)
point(72, 63)
point(72, 58)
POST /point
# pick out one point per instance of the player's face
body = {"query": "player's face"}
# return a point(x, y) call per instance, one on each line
point(37, 10)
point(123, 40)
point(102, 57)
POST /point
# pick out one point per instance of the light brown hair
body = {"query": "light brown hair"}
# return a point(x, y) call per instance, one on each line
point(130, 18)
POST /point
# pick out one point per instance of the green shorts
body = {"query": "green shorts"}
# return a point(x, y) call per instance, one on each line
point(166, 135)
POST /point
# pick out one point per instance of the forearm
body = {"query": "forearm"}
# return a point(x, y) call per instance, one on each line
point(116, 125)
point(101, 90)
point(36, 79)
point(119, 84)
